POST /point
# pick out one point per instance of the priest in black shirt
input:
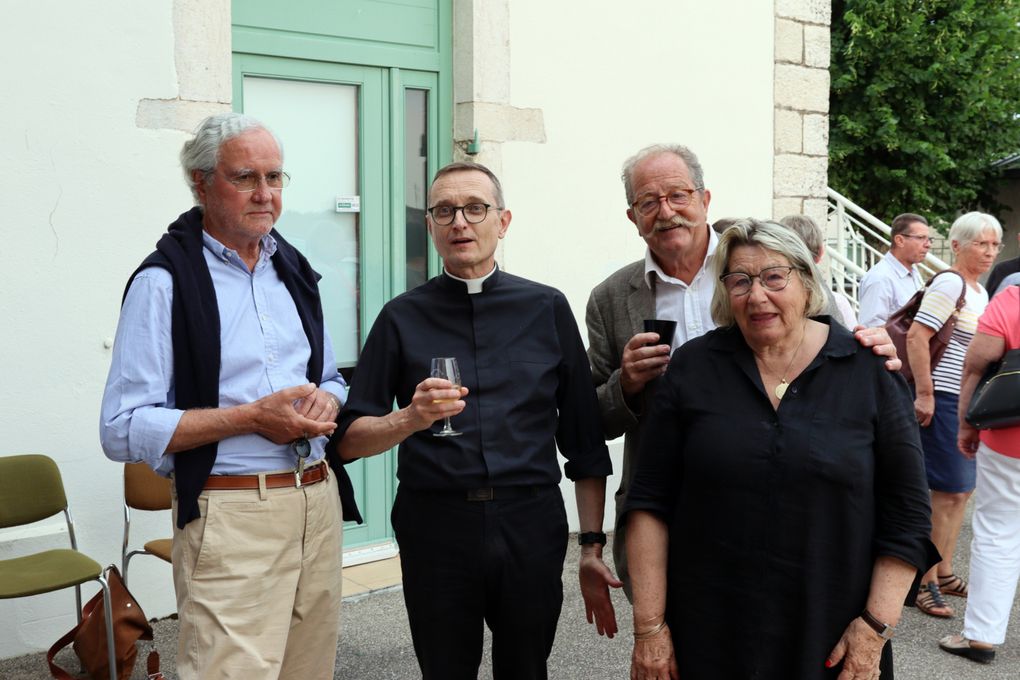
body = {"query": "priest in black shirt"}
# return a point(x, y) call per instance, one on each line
point(479, 518)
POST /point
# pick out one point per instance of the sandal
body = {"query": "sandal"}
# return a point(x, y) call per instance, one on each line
point(961, 646)
point(953, 585)
point(930, 601)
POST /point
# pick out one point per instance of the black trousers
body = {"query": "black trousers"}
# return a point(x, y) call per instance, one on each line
point(467, 562)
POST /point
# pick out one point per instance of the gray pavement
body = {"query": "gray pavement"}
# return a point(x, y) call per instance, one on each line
point(375, 643)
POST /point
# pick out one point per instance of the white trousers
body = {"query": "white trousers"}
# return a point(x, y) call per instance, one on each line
point(995, 550)
point(258, 584)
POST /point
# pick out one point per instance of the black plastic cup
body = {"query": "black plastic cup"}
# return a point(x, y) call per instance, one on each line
point(664, 328)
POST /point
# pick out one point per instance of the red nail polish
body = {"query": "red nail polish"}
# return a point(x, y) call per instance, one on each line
point(828, 664)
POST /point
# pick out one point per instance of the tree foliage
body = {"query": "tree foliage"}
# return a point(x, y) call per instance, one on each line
point(925, 96)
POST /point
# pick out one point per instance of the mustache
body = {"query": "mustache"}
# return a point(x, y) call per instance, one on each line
point(673, 222)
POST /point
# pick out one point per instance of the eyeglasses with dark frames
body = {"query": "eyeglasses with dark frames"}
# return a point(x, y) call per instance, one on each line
point(474, 213)
point(772, 278)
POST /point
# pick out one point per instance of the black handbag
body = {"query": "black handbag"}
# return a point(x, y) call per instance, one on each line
point(996, 399)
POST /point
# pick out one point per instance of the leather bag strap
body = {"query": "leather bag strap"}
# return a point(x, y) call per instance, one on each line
point(152, 666)
point(55, 670)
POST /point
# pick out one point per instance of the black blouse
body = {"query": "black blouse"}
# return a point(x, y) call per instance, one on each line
point(776, 517)
point(523, 362)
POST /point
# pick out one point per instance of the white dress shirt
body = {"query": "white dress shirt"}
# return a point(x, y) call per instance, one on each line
point(689, 305)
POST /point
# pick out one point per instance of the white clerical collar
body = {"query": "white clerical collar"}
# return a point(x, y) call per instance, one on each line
point(473, 285)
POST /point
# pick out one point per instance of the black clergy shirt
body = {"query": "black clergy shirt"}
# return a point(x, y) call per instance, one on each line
point(523, 362)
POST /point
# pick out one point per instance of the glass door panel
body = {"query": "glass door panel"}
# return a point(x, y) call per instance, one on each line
point(318, 124)
point(416, 183)
point(331, 119)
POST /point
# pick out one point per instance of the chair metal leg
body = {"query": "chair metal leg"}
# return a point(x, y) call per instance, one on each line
point(127, 561)
point(77, 601)
point(124, 544)
point(108, 607)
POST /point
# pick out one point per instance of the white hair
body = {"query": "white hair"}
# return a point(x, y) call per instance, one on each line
point(969, 227)
point(202, 153)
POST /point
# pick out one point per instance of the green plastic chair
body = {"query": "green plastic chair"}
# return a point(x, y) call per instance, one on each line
point(31, 490)
point(144, 490)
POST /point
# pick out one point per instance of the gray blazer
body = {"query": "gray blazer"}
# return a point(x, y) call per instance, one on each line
point(616, 311)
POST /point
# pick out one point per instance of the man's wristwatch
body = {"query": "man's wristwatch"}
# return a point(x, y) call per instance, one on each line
point(591, 538)
point(884, 630)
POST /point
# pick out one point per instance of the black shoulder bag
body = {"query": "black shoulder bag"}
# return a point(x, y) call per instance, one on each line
point(996, 400)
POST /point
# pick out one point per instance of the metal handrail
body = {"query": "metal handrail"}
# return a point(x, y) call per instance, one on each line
point(852, 250)
point(877, 229)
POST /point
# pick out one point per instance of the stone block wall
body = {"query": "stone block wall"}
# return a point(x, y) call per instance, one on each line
point(801, 102)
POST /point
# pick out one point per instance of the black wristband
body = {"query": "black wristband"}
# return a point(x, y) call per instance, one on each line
point(591, 537)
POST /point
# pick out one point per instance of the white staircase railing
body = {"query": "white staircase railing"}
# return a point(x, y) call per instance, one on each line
point(856, 241)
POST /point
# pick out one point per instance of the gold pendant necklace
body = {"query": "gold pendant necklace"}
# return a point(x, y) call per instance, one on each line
point(781, 387)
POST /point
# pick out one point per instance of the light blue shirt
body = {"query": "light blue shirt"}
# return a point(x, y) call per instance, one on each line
point(1011, 280)
point(263, 349)
point(885, 288)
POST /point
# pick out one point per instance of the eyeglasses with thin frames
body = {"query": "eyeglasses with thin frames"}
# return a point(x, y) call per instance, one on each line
point(919, 237)
point(678, 199)
point(774, 279)
point(994, 246)
point(246, 182)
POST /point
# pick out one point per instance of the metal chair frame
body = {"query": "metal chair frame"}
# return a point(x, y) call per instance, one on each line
point(107, 604)
point(125, 555)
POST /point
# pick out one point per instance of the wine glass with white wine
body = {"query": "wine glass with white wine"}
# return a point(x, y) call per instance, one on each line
point(446, 368)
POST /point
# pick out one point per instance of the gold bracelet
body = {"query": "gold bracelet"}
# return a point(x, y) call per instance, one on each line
point(651, 632)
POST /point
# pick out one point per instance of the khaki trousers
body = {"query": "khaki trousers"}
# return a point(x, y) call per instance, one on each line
point(258, 579)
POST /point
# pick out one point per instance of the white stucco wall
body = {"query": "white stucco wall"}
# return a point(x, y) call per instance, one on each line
point(609, 83)
point(82, 203)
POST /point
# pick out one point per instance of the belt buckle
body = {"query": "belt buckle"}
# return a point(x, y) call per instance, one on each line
point(480, 494)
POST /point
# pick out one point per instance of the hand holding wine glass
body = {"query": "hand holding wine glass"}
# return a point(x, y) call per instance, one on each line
point(447, 369)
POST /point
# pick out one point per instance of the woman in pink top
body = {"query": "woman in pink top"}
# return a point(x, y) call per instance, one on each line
point(995, 550)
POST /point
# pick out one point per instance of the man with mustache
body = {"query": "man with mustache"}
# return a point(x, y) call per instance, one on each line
point(668, 203)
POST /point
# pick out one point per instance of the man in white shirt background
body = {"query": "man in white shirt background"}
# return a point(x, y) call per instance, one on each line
point(895, 278)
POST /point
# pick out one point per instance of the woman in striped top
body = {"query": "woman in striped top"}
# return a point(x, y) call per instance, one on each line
point(976, 239)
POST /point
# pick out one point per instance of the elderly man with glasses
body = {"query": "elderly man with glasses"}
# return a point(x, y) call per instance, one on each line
point(223, 378)
point(668, 204)
point(479, 515)
point(895, 278)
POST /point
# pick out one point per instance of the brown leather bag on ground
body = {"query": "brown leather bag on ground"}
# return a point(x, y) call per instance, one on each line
point(89, 636)
point(901, 320)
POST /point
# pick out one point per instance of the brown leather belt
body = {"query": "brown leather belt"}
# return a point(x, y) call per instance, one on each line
point(312, 475)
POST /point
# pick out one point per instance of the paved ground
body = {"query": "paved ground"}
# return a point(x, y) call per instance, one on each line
point(375, 643)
